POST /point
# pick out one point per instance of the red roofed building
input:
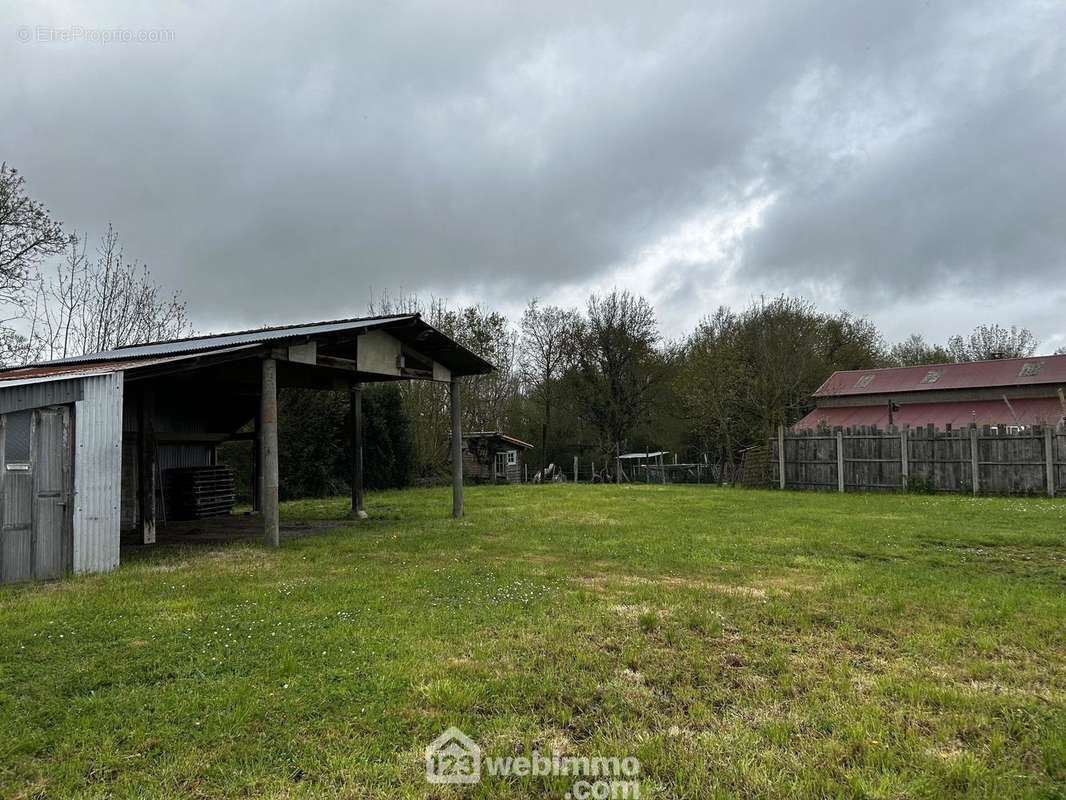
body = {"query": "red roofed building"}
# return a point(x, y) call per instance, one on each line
point(1007, 393)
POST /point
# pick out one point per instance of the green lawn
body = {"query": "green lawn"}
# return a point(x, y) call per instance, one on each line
point(739, 643)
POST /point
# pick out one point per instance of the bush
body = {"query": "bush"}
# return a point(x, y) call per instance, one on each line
point(314, 444)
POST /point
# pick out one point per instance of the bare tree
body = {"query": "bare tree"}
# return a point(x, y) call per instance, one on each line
point(28, 235)
point(990, 342)
point(89, 306)
point(710, 382)
point(547, 352)
point(618, 365)
point(488, 400)
point(915, 350)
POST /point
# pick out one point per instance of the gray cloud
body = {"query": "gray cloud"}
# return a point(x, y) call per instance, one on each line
point(278, 164)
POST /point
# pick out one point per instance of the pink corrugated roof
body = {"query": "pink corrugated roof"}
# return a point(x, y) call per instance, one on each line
point(1028, 411)
point(1004, 372)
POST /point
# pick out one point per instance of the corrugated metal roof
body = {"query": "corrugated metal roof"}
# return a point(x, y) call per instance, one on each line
point(409, 328)
point(496, 435)
point(973, 375)
point(61, 370)
point(656, 454)
point(220, 340)
point(1026, 411)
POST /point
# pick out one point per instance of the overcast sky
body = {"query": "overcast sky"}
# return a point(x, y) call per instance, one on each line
point(906, 161)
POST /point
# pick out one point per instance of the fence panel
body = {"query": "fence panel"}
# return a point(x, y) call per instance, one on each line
point(963, 460)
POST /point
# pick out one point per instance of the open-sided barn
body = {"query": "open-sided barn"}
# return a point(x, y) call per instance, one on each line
point(86, 442)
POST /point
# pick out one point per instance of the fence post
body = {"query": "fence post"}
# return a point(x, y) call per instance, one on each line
point(840, 460)
point(1049, 459)
point(973, 458)
point(781, 454)
point(904, 458)
point(575, 469)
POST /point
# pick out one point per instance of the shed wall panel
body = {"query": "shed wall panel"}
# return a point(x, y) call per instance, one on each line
point(97, 473)
point(39, 395)
point(172, 456)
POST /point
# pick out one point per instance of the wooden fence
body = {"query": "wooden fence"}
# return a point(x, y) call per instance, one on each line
point(969, 460)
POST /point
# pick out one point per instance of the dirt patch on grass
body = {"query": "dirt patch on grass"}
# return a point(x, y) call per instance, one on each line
point(578, 518)
point(609, 583)
point(760, 588)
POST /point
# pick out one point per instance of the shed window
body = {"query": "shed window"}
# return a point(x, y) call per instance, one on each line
point(512, 456)
point(17, 439)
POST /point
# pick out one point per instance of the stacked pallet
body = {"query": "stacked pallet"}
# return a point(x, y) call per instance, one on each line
point(198, 492)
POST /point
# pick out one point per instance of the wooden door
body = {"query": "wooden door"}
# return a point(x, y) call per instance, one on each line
point(51, 485)
point(16, 497)
point(35, 494)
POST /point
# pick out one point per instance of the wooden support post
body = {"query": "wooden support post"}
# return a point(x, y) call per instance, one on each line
point(457, 450)
point(904, 460)
point(355, 405)
point(575, 469)
point(1049, 458)
point(840, 460)
point(268, 450)
point(257, 462)
point(973, 459)
point(781, 455)
point(525, 472)
point(147, 460)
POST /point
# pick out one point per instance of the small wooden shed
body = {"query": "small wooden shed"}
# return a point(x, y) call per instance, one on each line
point(494, 457)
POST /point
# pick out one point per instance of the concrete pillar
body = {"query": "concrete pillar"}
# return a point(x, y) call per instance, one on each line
point(457, 450)
point(268, 450)
point(355, 403)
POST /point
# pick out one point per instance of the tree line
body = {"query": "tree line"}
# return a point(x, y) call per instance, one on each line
point(590, 382)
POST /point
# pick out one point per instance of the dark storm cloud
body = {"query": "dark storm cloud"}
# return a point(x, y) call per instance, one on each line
point(278, 163)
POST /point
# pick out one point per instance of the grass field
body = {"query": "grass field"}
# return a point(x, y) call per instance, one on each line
point(739, 643)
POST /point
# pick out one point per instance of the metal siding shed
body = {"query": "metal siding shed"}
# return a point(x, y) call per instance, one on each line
point(97, 421)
